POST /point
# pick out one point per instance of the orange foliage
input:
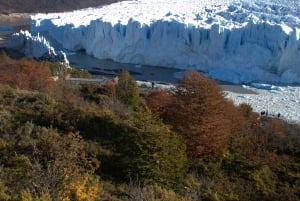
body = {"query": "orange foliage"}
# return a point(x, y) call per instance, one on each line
point(277, 127)
point(25, 74)
point(34, 76)
point(111, 87)
point(64, 91)
point(158, 100)
point(262, 138)
point(199, 112)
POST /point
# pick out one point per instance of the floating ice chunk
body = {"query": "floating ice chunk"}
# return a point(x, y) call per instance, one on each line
point(267, 87)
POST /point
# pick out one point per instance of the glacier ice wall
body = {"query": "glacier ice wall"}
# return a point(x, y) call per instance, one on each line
point(236, 41)
point(35, 47)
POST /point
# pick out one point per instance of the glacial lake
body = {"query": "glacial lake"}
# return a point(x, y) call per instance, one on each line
point(109, 68)
point(99, 67)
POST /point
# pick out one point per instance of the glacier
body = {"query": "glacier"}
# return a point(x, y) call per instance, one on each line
point(240, 41)
point(36, 47)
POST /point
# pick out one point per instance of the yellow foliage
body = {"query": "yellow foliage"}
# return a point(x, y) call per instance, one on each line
point(265, 180)
point(44, 197)
point(155, 193)
point(87, 189)
point(3, 191)
point(25, 195)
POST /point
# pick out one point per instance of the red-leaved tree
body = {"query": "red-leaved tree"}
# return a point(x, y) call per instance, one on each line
point(199, 112)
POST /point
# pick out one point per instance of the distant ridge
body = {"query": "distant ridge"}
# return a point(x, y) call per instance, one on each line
point(34, 6)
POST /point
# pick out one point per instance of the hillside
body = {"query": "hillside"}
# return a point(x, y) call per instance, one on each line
point(60, 141)
point(33, 6)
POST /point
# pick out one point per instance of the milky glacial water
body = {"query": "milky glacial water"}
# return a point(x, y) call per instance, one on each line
point(109, 68)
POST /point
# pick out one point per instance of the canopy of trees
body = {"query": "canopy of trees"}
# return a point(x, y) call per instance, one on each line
point(126, 89)
point(97, 142)
point(198, 111)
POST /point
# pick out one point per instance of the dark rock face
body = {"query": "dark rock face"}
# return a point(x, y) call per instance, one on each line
point(15, 54)
point(60, 56)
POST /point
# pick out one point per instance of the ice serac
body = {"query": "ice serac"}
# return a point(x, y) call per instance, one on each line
point(36, 47)
point(237, 41)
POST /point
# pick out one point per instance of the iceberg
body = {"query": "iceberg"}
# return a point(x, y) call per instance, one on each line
point(240, 41)
point(36, 47)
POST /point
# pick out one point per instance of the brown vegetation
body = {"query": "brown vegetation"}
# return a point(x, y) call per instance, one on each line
point(34, 76)
point(51, 148)
point(25, 74)
point(199, 112)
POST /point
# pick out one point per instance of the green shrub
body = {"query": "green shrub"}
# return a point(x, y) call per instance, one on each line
point(127, 89)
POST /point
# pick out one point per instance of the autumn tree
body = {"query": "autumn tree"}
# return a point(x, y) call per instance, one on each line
point(158, 101)
point(200, 113)
point(26, 74)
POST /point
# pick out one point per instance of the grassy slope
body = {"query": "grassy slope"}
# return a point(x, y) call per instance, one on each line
point(32, 6)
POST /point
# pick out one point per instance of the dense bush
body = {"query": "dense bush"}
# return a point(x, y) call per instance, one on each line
point(147, 151)
point(62, 70)
point(198, 111)
point(51, 144)
point(39, 162)
point(20, 74)
point(126, 89)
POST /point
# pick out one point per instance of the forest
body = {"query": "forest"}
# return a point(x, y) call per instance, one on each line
point(108, 142)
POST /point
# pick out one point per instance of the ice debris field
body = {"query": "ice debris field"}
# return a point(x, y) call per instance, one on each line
point(283, 100)
point(240, 41)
